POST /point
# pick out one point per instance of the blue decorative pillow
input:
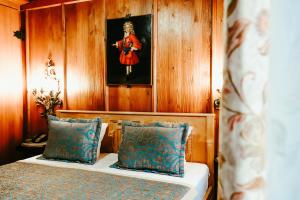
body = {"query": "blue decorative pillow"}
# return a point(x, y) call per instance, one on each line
point(158, 147)
point(73, 139)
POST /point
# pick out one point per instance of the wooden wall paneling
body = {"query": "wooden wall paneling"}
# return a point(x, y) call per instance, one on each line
point(217, 47)
point(99, 9)
point(135, 98)
point(217, 56)
point(183, 56)
point(38, 4)
point(24, 72)
point(120, 8)
point(106, 88)
point(84, 56)
point(44, 39)
point(64, 60)
point(11, 85)
point(154, 55)
point(217, 68)
point(14, 4)
point(181, 53)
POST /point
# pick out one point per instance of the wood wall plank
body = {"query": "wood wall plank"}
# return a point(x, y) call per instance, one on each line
point(37, 4)
point(44, 39)
point(137, 98)
point(217, 46)
point(14, 4)
point(84, 57)
point(183, 54)
point(217, 65)
point(11, 85)
point(120, 8)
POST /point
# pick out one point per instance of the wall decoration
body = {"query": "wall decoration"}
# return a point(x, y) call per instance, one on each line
point(128, 50)
point(48, 96)
point(20, 34)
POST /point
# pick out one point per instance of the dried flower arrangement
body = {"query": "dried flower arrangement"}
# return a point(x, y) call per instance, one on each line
point(48, 98)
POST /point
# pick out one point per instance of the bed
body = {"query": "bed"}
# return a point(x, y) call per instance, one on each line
point(47, 179)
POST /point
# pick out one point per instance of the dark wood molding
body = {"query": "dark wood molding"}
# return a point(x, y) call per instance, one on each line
point(47, 3)
point(14, 4)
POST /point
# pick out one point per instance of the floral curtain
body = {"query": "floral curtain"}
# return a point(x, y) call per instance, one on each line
point(244, 98)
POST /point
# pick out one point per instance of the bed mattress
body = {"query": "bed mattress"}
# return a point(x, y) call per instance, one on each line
point(196, 174)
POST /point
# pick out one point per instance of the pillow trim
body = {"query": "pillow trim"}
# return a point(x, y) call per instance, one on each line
point(96, 138)
point(184, 137)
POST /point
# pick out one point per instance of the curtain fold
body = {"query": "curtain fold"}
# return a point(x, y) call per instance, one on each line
point(244, 100)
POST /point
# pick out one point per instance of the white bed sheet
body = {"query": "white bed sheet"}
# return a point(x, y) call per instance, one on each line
point(196, 174)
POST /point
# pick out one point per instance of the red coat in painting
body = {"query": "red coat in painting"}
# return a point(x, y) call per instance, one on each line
point(127, 46)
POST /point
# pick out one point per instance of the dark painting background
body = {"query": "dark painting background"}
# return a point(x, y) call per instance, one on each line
point(141, 72)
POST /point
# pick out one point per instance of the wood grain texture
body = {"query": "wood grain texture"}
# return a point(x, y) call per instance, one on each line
point(208, 193)
point(217, 68)
point(120, 8)
point(15, 4)
point(200, 145)
point(84, 56)
point(136, 98)
point(154, 55)
point(217, 53)
point(11, 85)
point(37, 4)
point(217, 46)
point(44, 39)
point(183, 56)
point(23, 43)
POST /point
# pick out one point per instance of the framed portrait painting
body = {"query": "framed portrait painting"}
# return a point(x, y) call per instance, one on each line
point(128, 50)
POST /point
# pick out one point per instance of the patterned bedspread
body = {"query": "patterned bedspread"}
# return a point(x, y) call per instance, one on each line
point(33, 181)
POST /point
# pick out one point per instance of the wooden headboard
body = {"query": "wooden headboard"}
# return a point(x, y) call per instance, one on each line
point(200, 145)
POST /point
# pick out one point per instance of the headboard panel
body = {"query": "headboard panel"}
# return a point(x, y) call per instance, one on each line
point(200, 145)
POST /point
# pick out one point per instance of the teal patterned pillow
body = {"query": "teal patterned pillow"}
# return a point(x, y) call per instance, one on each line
point(158, 147)
point(73, 140)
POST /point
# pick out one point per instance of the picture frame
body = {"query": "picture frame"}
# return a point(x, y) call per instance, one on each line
point(129, 50)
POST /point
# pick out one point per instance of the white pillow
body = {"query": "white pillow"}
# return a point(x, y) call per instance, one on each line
point(189, 131)
point(102, 133)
